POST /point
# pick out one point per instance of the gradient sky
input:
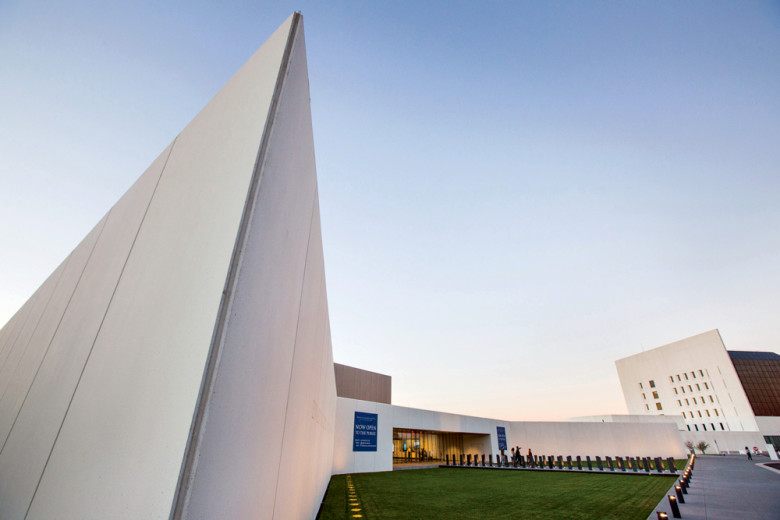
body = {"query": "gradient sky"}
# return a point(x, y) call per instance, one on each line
point(513, 195)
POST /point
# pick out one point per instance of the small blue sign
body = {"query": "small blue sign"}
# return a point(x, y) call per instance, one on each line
point(364, 438)
point(501, 437)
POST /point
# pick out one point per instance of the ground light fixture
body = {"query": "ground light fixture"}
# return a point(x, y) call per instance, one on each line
point(674, 506)
point(678, 490)
point(661, 515)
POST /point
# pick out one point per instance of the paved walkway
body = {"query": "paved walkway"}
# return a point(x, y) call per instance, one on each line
point(727, 488)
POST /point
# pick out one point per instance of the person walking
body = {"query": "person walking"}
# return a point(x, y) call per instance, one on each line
point(747, 450)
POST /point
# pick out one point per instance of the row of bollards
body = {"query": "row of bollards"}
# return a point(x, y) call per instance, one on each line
point(644, 464)
point(679, 490)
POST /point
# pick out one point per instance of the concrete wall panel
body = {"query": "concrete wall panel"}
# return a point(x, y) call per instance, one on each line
point(26, 450)
point(14, 326)
point(590, 438)
point(251, 458)
point(35, 308)
point(308, 441)
point(18, 380)
point(121, 446)
point(363, 385)
point(11, 329)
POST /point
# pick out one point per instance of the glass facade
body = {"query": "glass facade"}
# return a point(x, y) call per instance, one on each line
point(759, 373)
point(416, 446)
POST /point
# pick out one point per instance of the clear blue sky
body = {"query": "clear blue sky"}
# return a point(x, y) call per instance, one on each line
point(513, 194)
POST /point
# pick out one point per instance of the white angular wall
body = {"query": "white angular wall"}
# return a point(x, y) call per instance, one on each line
point(264, 460)
point(179, 361)
point(685, 358)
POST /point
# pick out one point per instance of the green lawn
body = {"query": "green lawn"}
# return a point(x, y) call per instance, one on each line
point(468, 493)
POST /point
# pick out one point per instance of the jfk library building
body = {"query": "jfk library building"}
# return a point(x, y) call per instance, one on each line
point(178, 362)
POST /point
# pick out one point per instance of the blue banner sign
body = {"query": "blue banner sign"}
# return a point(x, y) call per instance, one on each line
point(364, 438)
point(501, 437)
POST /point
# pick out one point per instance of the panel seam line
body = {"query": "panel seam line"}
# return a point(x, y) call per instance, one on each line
point(295, 344)
point(56, 330)
point(108, 307)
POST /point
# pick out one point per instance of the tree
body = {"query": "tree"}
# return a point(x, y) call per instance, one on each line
point(702, 446)
point(689, 445)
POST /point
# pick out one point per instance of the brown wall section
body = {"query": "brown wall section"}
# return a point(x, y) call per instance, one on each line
point(355, 383)
point(759, 373)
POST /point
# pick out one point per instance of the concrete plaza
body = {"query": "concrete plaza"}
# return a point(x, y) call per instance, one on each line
point(729, 487)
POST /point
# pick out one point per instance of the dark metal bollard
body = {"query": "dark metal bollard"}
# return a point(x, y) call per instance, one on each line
point(659, 465)
point(550, 461)
point(590, 468)
point(522, 461)
point(568, 461)
point(483, 460)
point(670, 463)
point(461, 459)
point(674, 506)
point(560, 462)
point(468, 459)
point(678, 490)
point(598, 463)
point(609, 463)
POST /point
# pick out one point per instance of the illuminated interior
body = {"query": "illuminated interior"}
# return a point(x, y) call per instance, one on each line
point(426, 446)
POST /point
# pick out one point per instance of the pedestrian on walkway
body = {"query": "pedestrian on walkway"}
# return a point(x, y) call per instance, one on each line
point(747, 450)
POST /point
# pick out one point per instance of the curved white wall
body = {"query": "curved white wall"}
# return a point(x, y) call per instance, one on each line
point(544, 438)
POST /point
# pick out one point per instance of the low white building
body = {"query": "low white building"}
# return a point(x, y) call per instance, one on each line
point(404, 436)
